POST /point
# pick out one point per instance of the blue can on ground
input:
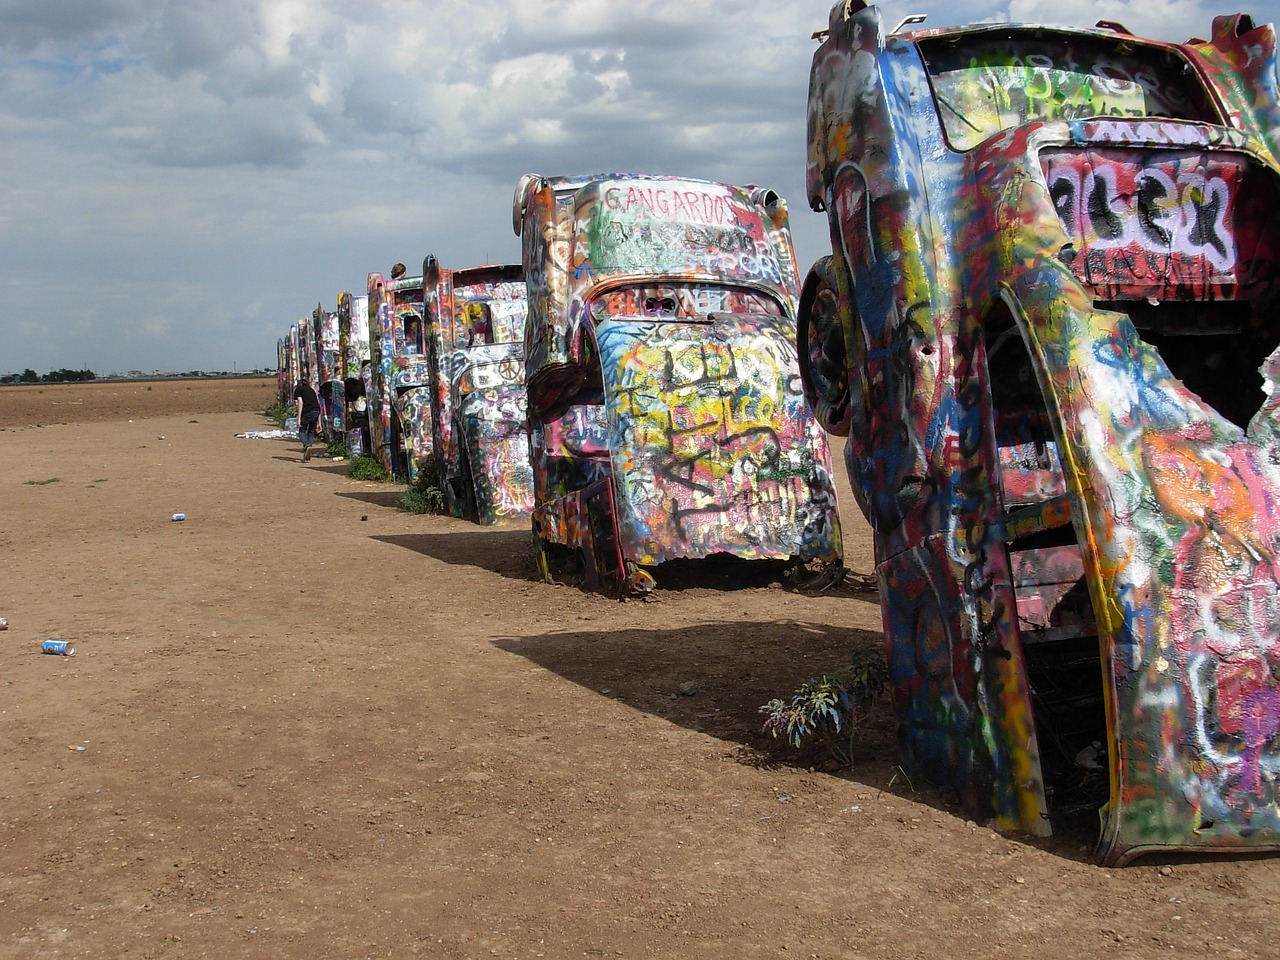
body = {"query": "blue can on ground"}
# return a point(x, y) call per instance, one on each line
point(61, 648)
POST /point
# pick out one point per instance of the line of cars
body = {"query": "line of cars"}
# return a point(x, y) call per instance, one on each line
point(1050, 331)
point(425, 373)
point(631, 388)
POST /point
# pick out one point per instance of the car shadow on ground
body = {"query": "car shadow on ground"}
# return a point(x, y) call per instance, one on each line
point(506, 551)
point(720, 572)
point(714, 679)
point(378, 498)
point(338, 469)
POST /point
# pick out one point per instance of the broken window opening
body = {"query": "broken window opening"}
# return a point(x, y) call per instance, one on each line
point(1211, 347)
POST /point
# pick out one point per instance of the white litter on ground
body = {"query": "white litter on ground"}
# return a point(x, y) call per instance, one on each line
point(269, 435)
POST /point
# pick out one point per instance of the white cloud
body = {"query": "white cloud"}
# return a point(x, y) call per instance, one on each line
point(194, 175)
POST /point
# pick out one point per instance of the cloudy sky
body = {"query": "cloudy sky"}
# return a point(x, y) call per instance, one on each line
point(182, 179)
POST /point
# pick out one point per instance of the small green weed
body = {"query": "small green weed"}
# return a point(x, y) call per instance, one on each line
point(829, 710)
point(367, 468)
point(41, 483)
point(337, 449)
point(278, 411)
point(425, 495)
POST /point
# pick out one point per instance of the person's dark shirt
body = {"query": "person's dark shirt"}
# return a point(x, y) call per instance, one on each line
point(310, 402)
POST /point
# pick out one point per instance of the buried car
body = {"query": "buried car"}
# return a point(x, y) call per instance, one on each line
point(325, 332)
point(353, 358)
point(475, 344)
point(666, 418)
point(399, 403)
point(1049, 329)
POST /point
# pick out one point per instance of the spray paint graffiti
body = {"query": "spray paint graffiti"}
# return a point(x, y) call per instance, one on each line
point(353, 351)
point(666, 414)
point(285, 368)
point(329, 388)
point(1049, 331)
point(398, 397)
point(476, 347)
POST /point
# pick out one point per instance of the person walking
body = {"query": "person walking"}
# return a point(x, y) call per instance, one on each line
point(308, 416)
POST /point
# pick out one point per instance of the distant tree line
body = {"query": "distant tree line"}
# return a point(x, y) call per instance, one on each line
point(53, 376)
point(79, 376)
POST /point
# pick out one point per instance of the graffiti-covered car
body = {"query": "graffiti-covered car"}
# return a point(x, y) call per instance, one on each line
point(666, 417)
point(1049, 331)
point(399, 401)
point(328, 372)
point(475, 320)
point(353, 352)
point(285, 366)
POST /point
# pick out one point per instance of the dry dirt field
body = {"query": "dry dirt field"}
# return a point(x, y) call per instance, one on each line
point(303, 724)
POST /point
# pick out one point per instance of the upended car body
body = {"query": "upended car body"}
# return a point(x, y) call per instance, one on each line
point(353, 353)
point(1049, 331)
point(666, 417)
point(286, 367)
point(325, 332)
point(399, 399)
point(475, 319)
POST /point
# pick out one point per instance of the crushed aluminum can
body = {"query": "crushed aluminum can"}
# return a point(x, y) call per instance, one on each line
point(59, 648)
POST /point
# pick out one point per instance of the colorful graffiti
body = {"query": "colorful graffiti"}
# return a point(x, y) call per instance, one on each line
point(353, 351)
point(399, 403)
point(325, 332)
point(666, 414)
point(1048, 330)
point(1163, 227)
point(476, 347)
point(287, 367)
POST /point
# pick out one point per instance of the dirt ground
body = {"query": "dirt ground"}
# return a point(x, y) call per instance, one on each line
point(303, 724)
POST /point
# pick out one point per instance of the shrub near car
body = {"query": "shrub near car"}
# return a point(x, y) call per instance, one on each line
point(1049, 330)
point(666, 418)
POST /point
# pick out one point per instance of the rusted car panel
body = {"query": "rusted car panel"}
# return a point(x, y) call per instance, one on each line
point(666, 415)
point(1049, 331)
point(476, 320)
point(400, 399)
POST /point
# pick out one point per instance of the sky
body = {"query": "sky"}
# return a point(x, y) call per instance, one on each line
point(184, 179)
